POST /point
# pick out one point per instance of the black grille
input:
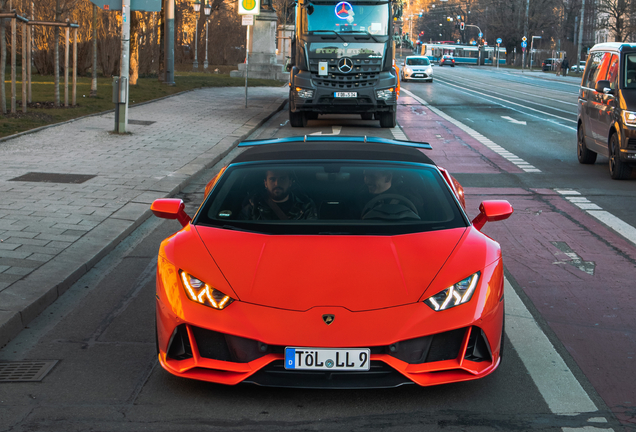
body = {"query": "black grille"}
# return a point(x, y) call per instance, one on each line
point(380, 375)
point(365, 73)
point(179, 347)
point(631, 143)
point(442, 346)
point(478, 348)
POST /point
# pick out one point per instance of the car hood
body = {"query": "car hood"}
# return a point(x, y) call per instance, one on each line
point(356, 272)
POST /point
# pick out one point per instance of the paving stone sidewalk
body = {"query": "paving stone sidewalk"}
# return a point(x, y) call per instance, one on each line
point(51, 233)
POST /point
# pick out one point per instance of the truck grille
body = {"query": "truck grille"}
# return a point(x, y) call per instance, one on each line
point(365, 73)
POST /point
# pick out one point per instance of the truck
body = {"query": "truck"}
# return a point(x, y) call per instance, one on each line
point(342, 61)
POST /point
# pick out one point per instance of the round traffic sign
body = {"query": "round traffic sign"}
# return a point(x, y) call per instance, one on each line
point(481, 34)
point(499, 40)
point(524, 44)
point(249, 4)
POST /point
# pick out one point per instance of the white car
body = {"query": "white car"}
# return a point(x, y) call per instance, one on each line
point(580, 68)
point(417, 68)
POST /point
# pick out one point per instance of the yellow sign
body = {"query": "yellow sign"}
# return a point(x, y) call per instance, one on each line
point(249, 7)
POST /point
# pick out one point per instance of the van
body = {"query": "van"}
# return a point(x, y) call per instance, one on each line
point(607, 108)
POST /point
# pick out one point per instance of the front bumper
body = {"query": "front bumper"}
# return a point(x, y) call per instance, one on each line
point(323, 100)
point(418, 75)
point(409, 344)
point(627, 151)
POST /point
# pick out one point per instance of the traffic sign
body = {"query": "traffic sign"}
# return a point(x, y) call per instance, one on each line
point(499, 40)
point(473, 42)
point(249, 7)
point(524, 38)
point(248, 20)
point(524, 44)
point(481, 34)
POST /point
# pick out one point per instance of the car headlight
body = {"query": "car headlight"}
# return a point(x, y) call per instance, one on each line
point(200, 292)
point(429, 70)
point(409, 70)
point(454, 295)
point(304, 93)
point(629, 118)
point(385, 94)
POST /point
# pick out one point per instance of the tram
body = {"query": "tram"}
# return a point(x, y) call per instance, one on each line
point(464, 54)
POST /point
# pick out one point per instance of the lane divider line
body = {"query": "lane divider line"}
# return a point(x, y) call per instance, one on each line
point(615, 223)
point(398, 133)
point(511, 157)
point(557, 384)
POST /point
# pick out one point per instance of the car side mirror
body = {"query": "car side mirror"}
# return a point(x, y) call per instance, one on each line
point(601, 85)
point(492, 211)
point(171, 208)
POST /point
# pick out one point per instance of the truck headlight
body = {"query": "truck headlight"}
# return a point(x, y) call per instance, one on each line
point(304, 93)
point(385, 94)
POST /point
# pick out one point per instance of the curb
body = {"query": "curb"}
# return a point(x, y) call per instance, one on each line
point(26, 299)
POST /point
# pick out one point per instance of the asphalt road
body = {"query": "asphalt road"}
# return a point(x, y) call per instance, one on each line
point(561, 370)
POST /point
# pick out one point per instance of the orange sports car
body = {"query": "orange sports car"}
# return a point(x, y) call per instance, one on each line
point(330, 262)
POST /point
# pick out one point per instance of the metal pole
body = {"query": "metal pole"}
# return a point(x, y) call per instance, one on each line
point(66, 52)
point(13, 55)
point(30, 49)
point(247, 61)
point(28, 62)
point(169, 44)
point(122, 105)
point(24, 63)
point(195, 65)
point(578, 51)
point(205, 62)
point(93, 92)
point(74, 100)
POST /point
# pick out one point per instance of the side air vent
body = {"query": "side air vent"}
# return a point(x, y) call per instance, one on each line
point(179, 347)
point(478, 348)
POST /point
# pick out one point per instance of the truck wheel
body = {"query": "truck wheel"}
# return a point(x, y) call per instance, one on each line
point(311, 115)
point(367, 116)
point(297, 119)
point(388, 119)
point(619, 170)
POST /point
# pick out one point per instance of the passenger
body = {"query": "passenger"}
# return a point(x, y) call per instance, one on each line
point(277, 202)
point(381, 182)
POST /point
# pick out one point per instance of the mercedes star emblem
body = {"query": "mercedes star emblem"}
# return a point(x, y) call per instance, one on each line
point(328, 318)
point(345, 65)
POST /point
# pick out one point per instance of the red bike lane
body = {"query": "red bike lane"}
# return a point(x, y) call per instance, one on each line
point(579, 274)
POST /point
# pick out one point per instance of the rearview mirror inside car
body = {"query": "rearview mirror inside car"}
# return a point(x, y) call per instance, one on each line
point(171, 208)
point(492, 211)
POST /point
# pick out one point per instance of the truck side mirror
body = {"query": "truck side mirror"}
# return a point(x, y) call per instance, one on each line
point(601, 85)
point(171, 208)
point(492, 211)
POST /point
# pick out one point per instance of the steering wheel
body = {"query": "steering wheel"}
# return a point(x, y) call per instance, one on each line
point(401, 198)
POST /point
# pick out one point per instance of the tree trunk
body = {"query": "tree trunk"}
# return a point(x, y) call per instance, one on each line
point(134, 49)
point(3, 65)
point(56, 55)
point(161, 69)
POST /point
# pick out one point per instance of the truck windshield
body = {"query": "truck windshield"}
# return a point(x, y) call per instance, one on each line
point(345, 17)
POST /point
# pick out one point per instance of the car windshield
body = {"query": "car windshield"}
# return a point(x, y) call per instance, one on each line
point(331, 197)
point(630, 71)
point(346, 17)
point(417, 62)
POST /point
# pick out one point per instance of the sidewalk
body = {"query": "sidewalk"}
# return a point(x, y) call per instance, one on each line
point(538, 73)
point(99, 186)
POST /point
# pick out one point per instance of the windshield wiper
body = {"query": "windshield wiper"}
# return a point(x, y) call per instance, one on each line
point(329, 31)
point(365, 33)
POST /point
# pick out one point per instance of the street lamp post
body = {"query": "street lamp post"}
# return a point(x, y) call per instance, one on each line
point(206, 10)
point(197, 9)
point(532, 49)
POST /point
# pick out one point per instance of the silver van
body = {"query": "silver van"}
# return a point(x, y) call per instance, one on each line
point(607, 108)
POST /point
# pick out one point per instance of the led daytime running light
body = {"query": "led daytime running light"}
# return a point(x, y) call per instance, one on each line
point(457, 294)
point(203, 293)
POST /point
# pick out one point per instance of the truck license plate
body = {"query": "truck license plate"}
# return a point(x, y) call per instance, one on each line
point(327, 358)
point(345, 94)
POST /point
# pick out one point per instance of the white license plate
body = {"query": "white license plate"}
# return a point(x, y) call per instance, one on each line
point(345, 94)
point(327, 358)
point(418, 76)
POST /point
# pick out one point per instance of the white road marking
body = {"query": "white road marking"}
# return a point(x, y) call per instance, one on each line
point(398, 133)
point(525, 166)
point(586, 429)
point(511, 120)
point(554, 380)
point(334, 129)
point(615, 223)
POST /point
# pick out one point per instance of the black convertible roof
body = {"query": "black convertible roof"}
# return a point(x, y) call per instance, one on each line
point(344, 148)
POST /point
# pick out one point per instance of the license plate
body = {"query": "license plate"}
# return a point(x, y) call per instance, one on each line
point(345, 94)
point(327, 358)
point(418, 75)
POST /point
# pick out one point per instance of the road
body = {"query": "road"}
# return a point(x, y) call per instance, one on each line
point(570, 315)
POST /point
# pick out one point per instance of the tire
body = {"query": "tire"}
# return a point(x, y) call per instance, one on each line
point(297, 119)
point(585, 155)
point(388, 119)
point(619, 170)
point(367, 116)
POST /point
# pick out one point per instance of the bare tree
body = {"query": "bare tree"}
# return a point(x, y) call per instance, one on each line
point(615, 16)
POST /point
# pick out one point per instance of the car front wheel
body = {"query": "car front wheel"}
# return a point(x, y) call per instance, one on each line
point(585, 155)
point(619, 170)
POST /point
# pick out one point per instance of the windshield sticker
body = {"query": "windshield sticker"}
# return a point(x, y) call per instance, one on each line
point(375, 27)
